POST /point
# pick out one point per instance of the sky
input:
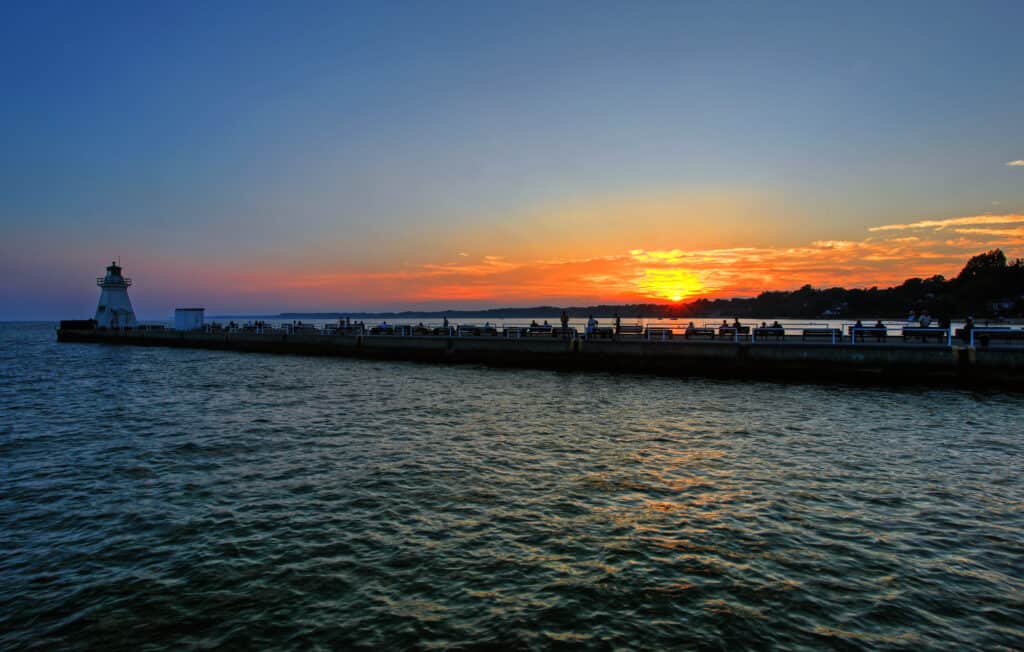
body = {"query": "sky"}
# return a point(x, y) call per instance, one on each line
point(264, 157)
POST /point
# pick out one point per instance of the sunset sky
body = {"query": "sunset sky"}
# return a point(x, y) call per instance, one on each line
point(255, 158)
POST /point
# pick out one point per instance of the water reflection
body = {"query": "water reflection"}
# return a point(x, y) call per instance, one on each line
point(280, 501)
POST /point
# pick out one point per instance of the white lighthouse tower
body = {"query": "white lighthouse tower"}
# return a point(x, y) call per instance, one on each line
point(115, 308)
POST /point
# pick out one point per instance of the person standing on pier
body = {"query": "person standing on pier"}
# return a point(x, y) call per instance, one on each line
point(565, 324)
point(968, 327)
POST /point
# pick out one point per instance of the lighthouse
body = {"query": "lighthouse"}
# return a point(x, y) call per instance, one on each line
point(115, 308)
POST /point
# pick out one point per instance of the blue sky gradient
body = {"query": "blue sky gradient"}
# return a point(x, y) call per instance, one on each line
point(379, 135)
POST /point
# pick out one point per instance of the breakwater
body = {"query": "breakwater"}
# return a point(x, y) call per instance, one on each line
point(790, 358)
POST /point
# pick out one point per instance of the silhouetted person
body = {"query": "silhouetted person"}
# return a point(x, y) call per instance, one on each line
point(968, 327)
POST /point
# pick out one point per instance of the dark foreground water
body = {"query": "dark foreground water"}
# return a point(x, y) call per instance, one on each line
point(157, 498)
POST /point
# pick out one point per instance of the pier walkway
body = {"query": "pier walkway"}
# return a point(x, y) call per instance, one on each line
point(926, 356)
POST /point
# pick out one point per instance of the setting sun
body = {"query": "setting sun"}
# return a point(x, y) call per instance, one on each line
point(671, 284)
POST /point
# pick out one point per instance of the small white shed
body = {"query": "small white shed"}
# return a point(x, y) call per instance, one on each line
point(188, 319)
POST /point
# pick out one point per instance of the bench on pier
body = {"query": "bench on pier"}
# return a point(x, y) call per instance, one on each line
point(469, 329)
point(656, 333)
point(537, 331)
point(925, 333)
point(985, 334)
point(418, 329)
point(770, 331)
point(863, 332)
point(600, 332)
point(631, 331)
point(699, 332)
point(731, 331)
point(833, 334)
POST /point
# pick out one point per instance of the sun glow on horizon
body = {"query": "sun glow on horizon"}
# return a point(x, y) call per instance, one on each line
point(885, 256)
point(671, 284)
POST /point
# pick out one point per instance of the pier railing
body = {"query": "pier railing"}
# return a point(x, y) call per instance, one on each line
point(102, 280)
point(811, 332)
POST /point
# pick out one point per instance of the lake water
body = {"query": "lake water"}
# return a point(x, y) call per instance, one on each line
point(159, 498)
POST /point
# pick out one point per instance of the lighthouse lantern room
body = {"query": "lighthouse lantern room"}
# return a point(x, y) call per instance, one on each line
point(115, 308)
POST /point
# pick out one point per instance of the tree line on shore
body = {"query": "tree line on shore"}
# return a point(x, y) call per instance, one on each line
point(988, 286)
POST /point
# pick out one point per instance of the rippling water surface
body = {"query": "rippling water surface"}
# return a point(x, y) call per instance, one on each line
point(154, 498)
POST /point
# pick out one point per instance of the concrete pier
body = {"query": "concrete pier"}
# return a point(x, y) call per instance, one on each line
point(898, 363)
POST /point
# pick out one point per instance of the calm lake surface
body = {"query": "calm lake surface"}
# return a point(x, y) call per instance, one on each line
point(158, 498)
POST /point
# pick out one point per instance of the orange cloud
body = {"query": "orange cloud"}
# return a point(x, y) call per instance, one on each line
point(887, 256)
point(954, 221)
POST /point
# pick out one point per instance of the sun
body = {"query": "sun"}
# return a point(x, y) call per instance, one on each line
point(671, 284)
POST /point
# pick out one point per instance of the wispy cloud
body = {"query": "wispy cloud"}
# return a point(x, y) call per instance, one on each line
point(1019, 163)
point(938, 225)
point(887, 255)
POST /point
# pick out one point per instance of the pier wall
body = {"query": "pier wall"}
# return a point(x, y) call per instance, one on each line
point(896, 363)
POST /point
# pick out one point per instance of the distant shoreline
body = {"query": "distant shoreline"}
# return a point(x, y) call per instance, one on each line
point(988, 287)
point(549, 313)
